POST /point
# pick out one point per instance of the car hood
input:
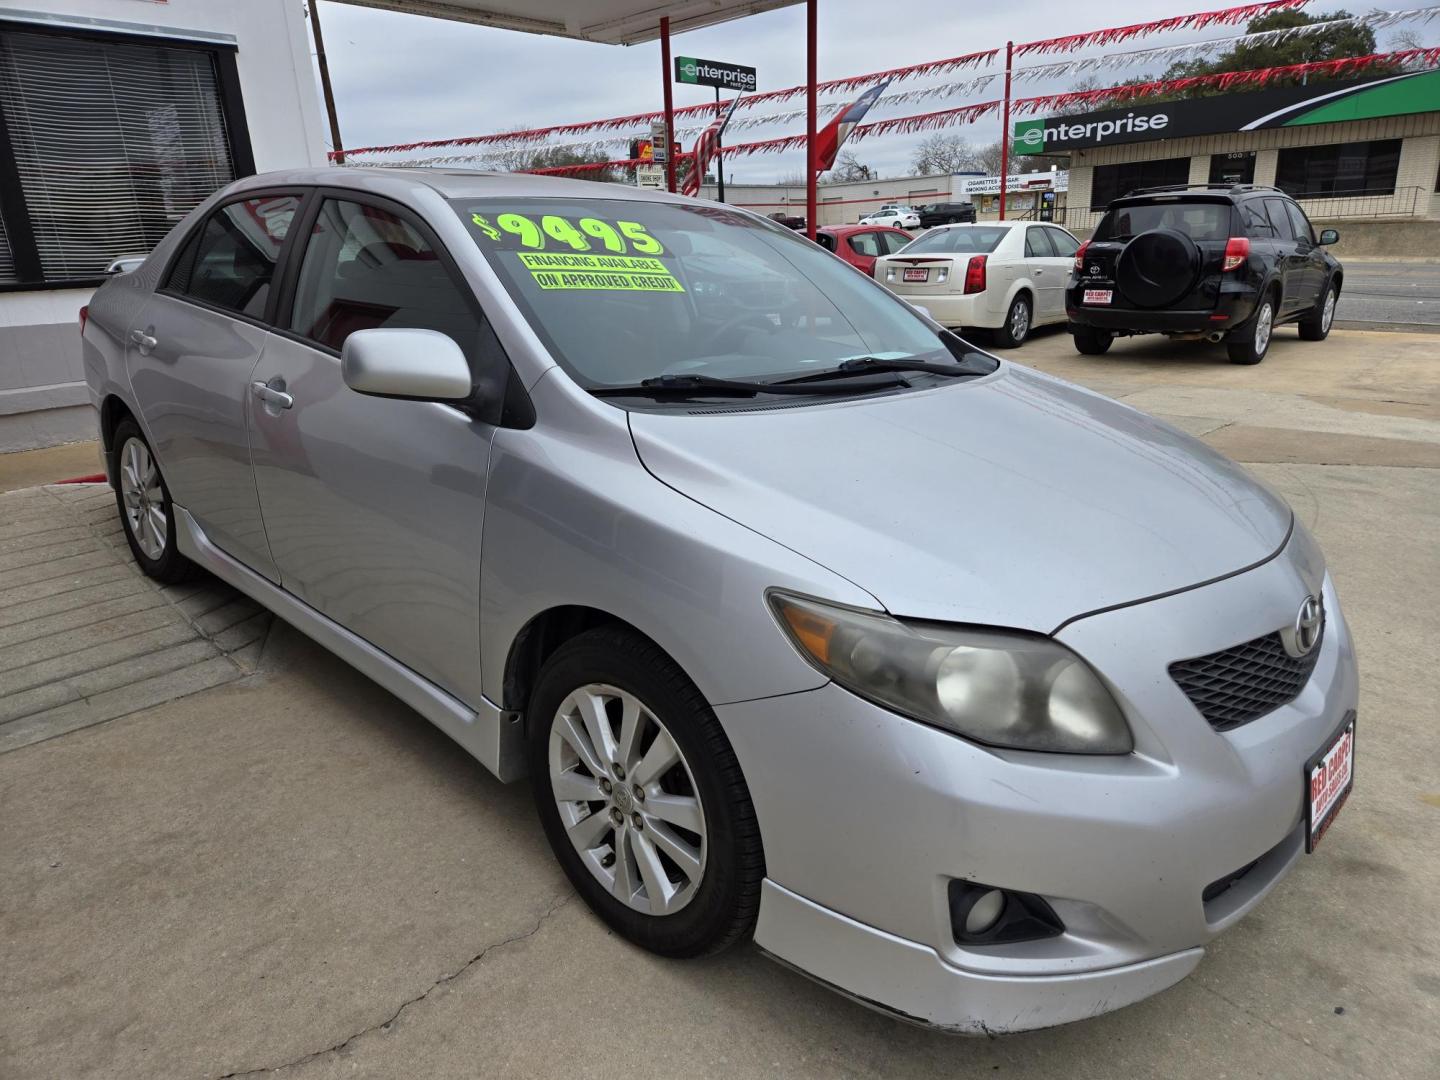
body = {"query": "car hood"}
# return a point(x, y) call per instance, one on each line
point(1014, 500)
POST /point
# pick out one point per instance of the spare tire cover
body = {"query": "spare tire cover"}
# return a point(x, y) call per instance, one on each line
point(1157, 268)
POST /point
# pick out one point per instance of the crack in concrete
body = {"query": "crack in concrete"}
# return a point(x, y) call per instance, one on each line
point(384, 1025)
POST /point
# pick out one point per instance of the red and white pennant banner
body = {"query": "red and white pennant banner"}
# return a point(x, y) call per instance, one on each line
point(1198, 21)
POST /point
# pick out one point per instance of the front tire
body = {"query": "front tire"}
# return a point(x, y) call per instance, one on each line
point(1016, 328)
point(641, 796)
point(145, 507)
point(1253, 338)
point(1316, 325)
point(1092, 342)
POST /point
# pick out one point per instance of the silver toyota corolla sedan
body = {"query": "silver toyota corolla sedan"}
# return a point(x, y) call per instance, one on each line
point(975, 695)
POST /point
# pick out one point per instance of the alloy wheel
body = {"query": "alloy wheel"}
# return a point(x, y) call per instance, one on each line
point(627, 799)
point(1263, 323)
point(1327, 316)
point(144, 499)
point(1019, 320)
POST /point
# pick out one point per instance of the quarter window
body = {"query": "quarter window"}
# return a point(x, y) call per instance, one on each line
point(229, 262)
point(366, 267)
point(1257, 222)
point(1280, 219)
point(1300, 223)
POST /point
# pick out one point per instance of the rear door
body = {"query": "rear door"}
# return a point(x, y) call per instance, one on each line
point(191, 357)
point(374, 506)
point(1290, 259)
point(1047, 278)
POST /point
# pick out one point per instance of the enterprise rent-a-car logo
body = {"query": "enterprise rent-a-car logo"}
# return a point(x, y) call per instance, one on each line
point(1032, 136)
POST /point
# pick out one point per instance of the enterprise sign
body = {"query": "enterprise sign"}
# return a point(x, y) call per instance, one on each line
point(713, 73)
point(1286, 106)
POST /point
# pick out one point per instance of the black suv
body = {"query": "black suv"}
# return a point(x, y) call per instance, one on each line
point(1203, 262)
point(946, 213)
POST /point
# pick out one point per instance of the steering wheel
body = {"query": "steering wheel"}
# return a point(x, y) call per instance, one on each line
point(735, 322)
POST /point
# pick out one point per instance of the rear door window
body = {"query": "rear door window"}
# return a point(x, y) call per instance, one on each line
point(865, 244)
point(229, 262)
point(1037, 245)
point(1279, 219)
point(1257, 221)
point(1064, 244)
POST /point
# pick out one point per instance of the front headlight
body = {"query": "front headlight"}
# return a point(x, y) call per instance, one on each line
point(1002, 689)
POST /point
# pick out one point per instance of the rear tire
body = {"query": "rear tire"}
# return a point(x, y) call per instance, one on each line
point(1316, 325)
point(1252, 340)
point(1092, 342)
point(145, 507)
point(619, 695)
point(1016, 328)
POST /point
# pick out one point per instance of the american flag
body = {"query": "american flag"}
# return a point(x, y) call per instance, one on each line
point(705, 151)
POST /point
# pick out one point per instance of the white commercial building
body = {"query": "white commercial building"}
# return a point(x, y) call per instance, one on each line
point(116, 118)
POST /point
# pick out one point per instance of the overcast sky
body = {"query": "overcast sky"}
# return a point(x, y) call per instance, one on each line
point(401, 77)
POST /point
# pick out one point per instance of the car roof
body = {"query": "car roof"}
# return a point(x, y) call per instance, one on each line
point(455, 183)
point(846, 230)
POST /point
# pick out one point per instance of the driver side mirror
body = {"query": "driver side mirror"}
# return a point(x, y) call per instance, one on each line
point(405, 363)
point(1328, 237)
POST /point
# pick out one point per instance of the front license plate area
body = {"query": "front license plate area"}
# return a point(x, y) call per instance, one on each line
point(917, 274)
point(1098, 296)
point(1329, 776)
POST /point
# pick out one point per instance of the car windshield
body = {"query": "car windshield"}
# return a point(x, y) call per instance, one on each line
point(1197, 220)
point(622, 291)
point(965, 241)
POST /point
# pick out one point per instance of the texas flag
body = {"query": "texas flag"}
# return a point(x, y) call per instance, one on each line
point(829, 141)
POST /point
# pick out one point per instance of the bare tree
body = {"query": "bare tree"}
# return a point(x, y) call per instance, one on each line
point(1405, 39)
point(849, 167)
point(943, 152)
point(987, 158)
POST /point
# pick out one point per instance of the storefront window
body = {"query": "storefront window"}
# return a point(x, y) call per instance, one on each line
point(110, 143)
point(1110, 182)
point(1358, 168)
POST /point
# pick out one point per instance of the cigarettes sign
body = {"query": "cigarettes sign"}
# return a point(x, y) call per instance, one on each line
point(713, 73)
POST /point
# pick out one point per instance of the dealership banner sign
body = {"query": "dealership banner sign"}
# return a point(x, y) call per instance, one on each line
point(1290, 106)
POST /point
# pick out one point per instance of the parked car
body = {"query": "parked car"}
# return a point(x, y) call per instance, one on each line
point(975, 695)
point(1207, 262)
point(1003, 276)
point(860, 245)
point(946, 213)
point(790, 221)
point(896, 218)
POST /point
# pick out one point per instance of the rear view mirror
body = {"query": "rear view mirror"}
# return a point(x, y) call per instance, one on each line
point(405, 363)
point(1328, 237)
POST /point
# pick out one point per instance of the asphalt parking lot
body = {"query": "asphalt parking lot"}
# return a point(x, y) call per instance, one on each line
point(226, 854)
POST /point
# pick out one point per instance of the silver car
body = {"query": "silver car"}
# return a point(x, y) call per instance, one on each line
point(982, 698)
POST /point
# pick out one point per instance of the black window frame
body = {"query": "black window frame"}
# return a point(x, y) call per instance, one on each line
point(13, 208)
point(265, 321)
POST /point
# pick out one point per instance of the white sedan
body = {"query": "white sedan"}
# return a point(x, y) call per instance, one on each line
point(1008, 277)
point(899, 217)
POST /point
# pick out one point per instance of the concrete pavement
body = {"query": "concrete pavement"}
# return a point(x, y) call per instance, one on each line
point(293, 871)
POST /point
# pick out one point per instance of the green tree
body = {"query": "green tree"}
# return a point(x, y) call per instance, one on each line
point(1330, 44)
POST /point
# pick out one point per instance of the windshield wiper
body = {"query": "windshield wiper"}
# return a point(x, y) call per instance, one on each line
point(868, 365)
point(709, 386)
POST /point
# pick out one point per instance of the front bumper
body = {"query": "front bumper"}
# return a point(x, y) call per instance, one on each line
point(867, 816)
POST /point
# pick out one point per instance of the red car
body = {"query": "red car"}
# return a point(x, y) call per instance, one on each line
point(859, 245)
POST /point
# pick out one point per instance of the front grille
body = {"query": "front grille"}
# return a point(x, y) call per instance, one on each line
point(1242, 683)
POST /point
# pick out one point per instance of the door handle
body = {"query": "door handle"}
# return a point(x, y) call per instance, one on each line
point(144, 340)
point(270, 396)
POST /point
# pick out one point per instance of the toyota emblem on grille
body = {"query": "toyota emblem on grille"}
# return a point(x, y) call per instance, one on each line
point(1301, 638)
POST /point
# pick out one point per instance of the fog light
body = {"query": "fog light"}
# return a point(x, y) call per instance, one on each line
point(985, 915)
point(985, 912)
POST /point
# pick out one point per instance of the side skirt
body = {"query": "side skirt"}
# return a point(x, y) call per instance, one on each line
point(493, 736)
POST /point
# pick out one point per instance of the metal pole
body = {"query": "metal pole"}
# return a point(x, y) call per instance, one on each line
point(811, 190)
point(319, 36)
point(669, 104)
point(1005, 129)
point(719, 161)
